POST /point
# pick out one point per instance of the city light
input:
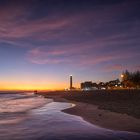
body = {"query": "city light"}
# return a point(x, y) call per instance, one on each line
point(122, 75)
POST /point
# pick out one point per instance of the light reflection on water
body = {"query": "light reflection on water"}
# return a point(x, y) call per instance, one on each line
point(49, 123)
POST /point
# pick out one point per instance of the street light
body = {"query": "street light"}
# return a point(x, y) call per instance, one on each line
point(122, 78)
point(122, 75)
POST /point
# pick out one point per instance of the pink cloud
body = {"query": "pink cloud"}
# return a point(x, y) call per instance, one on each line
point(82, 54)
point(46, 27)
point(71, 27)
point(97, 60)
point(70, 55)
point(28, 29)
point(114, 67)
point(39, 56)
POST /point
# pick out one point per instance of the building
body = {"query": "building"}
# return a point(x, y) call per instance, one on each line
point(88, 85)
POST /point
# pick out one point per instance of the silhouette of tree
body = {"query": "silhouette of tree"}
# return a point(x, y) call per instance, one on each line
point(131, 79)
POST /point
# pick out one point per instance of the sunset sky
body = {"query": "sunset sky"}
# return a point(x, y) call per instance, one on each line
point(42, 42)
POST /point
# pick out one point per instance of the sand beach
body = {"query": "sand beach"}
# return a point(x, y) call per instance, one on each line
point(100, 108)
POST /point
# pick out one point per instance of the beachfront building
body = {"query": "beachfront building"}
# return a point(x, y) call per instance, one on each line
point(88, 85)
point(114, 84)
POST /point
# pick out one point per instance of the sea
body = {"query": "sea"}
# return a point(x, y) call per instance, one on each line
point(26, 116)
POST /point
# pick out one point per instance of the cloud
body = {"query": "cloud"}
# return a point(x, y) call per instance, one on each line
point(69, 25)
point(114, 67)
point(78, 55)
point(85, 35)
point(39, 56)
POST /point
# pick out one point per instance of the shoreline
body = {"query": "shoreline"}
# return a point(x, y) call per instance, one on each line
point(100, 117)
point(104, 118)
point(108, 109)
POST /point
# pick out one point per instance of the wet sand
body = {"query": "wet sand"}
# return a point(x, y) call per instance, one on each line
point(105, 118)
point(116, 111)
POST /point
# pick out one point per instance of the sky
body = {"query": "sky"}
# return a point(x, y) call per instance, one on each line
point(42, 42)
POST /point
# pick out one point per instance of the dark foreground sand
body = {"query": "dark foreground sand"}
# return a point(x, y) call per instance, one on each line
point(105, 118)
point(97, 109)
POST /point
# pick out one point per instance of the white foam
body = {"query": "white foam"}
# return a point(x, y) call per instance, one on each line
point(8, 105)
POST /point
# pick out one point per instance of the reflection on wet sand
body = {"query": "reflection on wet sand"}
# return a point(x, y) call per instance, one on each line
point(48, 122)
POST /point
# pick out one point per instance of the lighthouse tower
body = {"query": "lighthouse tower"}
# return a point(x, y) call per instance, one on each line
point(70, 82)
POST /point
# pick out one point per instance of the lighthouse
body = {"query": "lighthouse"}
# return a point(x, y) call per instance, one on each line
point(70, 82)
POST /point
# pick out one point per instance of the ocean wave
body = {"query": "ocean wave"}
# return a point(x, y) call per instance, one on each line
point(17, 105)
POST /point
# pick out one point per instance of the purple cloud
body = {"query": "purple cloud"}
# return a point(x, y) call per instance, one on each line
point(86, 37)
